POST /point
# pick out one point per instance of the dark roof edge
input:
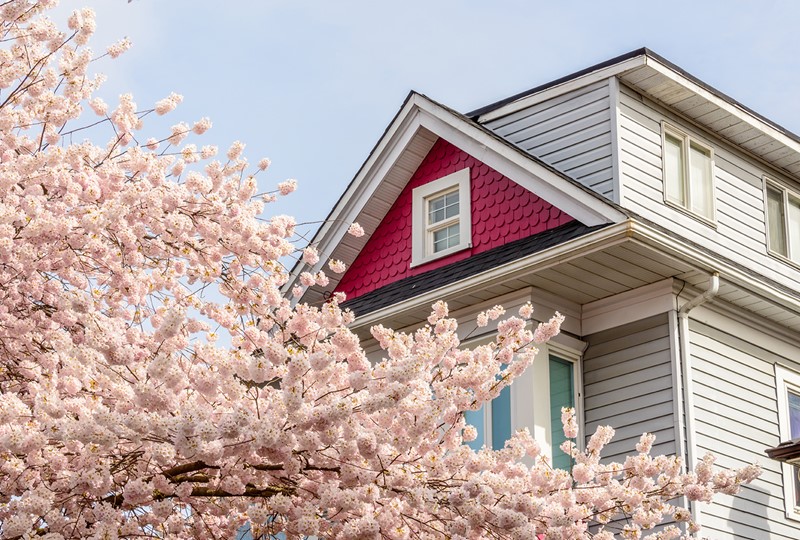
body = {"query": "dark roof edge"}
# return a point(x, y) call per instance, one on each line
point(616, 60)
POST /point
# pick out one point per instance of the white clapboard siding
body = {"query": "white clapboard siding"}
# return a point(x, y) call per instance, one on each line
point(628, 386)
point(739, 232)
point(735, 411)
point(571, 132)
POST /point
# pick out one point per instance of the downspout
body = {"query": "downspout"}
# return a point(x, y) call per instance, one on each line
point(686, 365)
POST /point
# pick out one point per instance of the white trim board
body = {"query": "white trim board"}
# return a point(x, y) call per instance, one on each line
point(627, 307)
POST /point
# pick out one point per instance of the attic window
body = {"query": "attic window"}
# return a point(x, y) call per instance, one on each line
point(688, 173)
point(441, 217)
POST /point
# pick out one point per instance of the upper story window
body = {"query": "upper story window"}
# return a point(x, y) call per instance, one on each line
point(441, 218)
point(688, 173)
point(783, 221)
point(788, 389)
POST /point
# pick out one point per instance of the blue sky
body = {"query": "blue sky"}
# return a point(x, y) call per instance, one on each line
point(312, 84)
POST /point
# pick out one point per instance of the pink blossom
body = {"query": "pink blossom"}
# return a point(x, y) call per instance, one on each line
point(201, 126)
point(118, 48)
point(570, 424)
point(355, 230)
point(287, 187)
point(168, 104)
point(337, 266)
point(310, 256)
point(235, 150)
point(98, 106)
point(546, 331)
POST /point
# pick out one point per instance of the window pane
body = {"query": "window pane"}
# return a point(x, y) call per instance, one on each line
point(776, 221)
point(501, 418)
point(794, 228)
point(435, 210)
point(561, 395)
point(674, 169)
point(446, 238)
point(702, 196)
point(794, 429)
point(451, 204)
point(443, 207)
point(794, 414)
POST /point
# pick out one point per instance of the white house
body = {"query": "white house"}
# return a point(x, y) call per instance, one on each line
point(659, 215)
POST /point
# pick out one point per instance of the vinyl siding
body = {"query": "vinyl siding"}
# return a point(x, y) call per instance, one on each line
point(735, 411)
point(628, 385)
point(739, 232)
point(571, 132)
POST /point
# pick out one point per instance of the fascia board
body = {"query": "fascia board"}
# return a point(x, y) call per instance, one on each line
point(724, 104)
point(519, 166)
point(629, 306)
point(553, 91)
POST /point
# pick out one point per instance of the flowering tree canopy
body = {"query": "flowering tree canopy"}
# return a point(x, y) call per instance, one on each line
point(155, 382)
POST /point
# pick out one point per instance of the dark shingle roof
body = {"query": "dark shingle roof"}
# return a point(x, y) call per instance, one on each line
point(428, 281)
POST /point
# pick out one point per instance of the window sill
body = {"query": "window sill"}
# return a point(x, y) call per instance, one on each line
point(708, 222)
point(440, 255)
point(796, 265)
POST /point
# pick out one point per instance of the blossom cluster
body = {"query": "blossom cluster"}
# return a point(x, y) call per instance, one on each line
point(157, 381)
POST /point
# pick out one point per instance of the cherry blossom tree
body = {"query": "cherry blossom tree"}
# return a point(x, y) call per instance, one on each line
point(155, 382)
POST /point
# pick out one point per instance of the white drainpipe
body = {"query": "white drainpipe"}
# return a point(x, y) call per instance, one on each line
point(685, 359)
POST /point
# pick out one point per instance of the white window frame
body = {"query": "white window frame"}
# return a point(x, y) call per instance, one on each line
point(785, 380)
point(422, 233)
point(793, 258)
point(535, 413)
point(687, 141)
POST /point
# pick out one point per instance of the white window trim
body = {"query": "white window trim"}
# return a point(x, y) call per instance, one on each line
point(422, 237)
point(769, 182)
point(785, 380)
point(687, 141)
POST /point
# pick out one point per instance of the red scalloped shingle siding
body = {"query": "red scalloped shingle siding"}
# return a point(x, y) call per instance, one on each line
point(502, 211)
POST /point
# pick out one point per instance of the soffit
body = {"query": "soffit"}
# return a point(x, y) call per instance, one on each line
point(725, 118)
point(582, 271)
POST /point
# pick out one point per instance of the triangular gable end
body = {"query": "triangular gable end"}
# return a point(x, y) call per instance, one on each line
point(501, 211)
point(396, 158)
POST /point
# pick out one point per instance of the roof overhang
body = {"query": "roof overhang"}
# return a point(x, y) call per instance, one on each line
point(406, 142)
point(635, 253)
point(665, 83)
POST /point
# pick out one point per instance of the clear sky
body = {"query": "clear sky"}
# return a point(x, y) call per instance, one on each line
point(312, 84)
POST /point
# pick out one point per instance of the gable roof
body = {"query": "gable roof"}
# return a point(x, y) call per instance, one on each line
point(396, 156)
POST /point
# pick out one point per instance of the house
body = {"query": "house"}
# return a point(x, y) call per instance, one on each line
point(658, 214)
